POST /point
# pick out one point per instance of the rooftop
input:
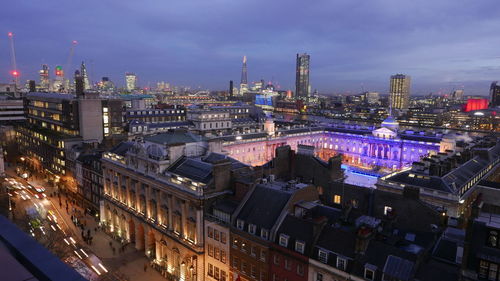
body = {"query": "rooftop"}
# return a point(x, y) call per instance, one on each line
point(174, 137)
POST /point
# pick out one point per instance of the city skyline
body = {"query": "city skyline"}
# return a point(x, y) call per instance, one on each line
point(442, 46)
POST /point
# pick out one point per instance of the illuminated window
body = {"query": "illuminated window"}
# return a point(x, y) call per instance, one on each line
point(337, 199)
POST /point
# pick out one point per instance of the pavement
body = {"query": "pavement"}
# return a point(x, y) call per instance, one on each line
point(128, 265)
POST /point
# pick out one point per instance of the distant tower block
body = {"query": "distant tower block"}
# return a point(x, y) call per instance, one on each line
point(269, 127)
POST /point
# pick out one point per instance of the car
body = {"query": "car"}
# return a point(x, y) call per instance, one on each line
point(40, 195)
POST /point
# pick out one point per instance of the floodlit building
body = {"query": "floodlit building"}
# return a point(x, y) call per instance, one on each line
point(399, 92)
point(131, 81)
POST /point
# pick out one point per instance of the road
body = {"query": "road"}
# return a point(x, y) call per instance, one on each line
point(129, 264)
point(47, 222)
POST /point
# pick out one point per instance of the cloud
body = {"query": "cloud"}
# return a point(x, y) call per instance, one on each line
point(351, 42)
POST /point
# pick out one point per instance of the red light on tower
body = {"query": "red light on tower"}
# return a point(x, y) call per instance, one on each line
point(14, 73)
point(10, 34)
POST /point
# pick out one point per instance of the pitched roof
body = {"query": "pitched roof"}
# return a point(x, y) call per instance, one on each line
point(399, 268)
point(174, 137)
point(122, 148)
point(193, 169)
point(264, 206)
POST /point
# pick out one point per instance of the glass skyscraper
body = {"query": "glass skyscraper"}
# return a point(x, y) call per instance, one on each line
point(302, 76)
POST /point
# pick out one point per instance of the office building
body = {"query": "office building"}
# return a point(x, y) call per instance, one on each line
point(244, 78)
point(495, 94)
point(58, 122)
point(302, 89)
point(85, 77)
point(399, 92)
point(130, 80)
point(372, 97)
point(44, 78)
point(457, 95)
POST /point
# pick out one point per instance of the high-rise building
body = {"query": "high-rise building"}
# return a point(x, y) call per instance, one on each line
point(372, 97)
point(85, 77)
point(400, 91)
point(244, 78)
point(130, 80)
point(495, 94)
point(302, 88)
point(44, 78)
point(457, 95)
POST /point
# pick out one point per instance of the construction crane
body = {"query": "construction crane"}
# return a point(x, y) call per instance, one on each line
point(14, 72)
point(67, 67)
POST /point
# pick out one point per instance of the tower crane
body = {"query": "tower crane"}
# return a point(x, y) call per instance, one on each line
point(14, 72)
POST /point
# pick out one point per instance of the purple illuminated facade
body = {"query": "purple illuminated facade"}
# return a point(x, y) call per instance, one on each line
point(384, 147)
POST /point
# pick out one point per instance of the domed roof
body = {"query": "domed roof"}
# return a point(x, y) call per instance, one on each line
point(390, 123)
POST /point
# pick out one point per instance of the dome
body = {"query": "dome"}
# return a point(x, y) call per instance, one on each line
point(390, 123)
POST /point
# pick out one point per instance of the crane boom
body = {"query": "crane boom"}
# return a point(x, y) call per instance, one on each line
point(14, 72)
point(68, 62)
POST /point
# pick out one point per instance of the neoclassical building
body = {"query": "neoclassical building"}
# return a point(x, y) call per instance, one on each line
point(156, 191)
point(385, 147)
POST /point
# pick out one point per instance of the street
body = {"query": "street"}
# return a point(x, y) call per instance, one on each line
point(59, 223)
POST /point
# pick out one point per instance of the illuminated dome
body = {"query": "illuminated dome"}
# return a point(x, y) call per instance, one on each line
point(390, 123)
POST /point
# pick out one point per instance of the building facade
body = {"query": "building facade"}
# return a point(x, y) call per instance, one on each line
point(130, 81)
point(302, 89)
point(399, 91)
point(155, 192)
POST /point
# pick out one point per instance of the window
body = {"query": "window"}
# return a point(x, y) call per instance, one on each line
point(319, 276)
point(336, 199)
point(300, 269)
point(369, 274)
point(210, 250)
point(341, 263)
point(322, 256)
point(223, 275)
point(251, 228)
point(253, 272)
point(235, 262)
point(288, 264)
point(263, 276)
point(493, 239)
point(216, 235)
point(210, 270)
point(216, 275)
point(223, 237)
point(244, 266)
point(216, 253)
point(275, 277)
point(223, 256)
point(262, 255)
point(276, 260)
point(253, 251)
point(299, 246)
point(264, 234)
point(240, 224)
point(387, 210)
point(492, 275)
point(283, 240)
point(210, 232)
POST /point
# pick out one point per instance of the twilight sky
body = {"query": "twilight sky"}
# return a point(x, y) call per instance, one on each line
point(354, 44)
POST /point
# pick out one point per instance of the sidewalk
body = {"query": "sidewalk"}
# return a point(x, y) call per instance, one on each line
point(129, 264)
